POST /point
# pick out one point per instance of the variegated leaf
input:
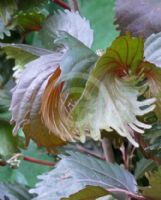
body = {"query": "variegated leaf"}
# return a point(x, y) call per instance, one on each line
point(110, 99)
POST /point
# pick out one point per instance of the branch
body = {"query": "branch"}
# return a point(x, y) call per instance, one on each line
point(130, 194)
point(42, 162)
point(61, 4)
point(108, 151)
point(92, 153)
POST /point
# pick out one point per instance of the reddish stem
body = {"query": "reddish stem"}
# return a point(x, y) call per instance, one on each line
point(130, 194)
point(62, 4)
point(42, 162)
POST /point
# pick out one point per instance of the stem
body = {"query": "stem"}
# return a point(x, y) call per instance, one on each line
point(74, 5)
point(2, 163)
point(62, 4)
point(108, 151)
point(130, 194)
point(42, 162)
point(84, 150)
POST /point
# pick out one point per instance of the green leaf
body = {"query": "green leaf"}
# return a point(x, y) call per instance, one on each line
point(28, 21)
point(8, 143)
point(19, 53)
point(23, 175)
point(101, 16)
point(143, 166)
point(112, 85)
point(13, 192)
point(4, 106)
point(153, 191)
point(90, 193)
point(78, 171)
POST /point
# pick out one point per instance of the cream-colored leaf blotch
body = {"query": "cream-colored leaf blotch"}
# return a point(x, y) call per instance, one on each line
point(113, 105)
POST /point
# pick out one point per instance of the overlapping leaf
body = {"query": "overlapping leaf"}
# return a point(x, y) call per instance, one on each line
point(70, 22)
point(77, 171)
point(34, 90)
point(140, 17)
point(110, 87)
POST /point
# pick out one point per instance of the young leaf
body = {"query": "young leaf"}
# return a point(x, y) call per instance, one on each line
point(70, 22)
point(138, 17)
point(78, 171)
point(153, 191)
point(110, 87)
point(13, 192)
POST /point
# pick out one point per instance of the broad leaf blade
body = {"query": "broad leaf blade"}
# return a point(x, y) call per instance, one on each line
point(78, 171)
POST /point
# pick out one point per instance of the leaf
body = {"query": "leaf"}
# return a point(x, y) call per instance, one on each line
point(138, 17)
point(101, 22)
point(152, 49)
point(90, 193)
point(22, 54)
point(23, 175)
point(4, 30)
point(67, 21)
point(13, 192)
point(4, 105)
point(8, 143)
point(143, 166)
point(7, 8)
point(78, 171)
point(57, 101)
point(112, 85)
point(153, 136)
point(28, 21)
point(29, 89)
point(153, 191)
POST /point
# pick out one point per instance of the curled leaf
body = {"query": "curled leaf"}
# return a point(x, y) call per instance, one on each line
point(26, 99)
point(110, 99)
